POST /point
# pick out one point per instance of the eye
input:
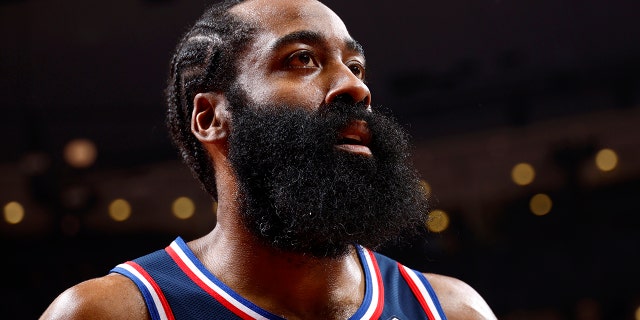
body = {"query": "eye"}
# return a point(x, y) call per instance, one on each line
point(357, 69)
point(301, 59)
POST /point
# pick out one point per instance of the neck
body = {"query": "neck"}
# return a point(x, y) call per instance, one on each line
point(287, 284)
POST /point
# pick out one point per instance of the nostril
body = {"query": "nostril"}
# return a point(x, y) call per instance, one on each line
point(344, 98)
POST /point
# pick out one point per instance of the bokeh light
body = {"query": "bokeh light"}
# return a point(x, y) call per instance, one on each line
point(183, 208)
point(438, 221)
point(540, 204)
point(70, 225)
point(13, 212)
point(638, 313)
point(35, 163)
point(606, 160)
point(119, 210)
point(426, 186)
point(523, 174)
point(76, 196)
point(80, 153)
point(588, 309)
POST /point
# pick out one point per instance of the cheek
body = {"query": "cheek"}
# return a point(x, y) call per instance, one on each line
point(303, 95)
point(285, 92)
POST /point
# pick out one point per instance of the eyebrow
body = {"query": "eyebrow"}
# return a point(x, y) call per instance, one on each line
point(313, 37)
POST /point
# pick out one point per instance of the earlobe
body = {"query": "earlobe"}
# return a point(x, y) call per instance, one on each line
point(210, 117)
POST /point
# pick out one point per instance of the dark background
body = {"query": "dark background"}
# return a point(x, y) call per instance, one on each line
point(480, 84)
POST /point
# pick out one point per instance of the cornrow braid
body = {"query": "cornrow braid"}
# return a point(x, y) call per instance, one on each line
point(204, 60)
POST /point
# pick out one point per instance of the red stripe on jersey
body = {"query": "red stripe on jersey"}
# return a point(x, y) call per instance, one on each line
point(380, 302)
point(205, 287)
point(416, 292)
point(156, 288)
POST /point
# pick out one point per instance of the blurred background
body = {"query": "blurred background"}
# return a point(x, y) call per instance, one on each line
point(525, 116)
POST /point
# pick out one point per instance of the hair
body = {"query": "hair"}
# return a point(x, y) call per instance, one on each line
point(204, 60)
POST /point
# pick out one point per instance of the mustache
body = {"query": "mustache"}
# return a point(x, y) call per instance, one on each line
point(327, 121)
point(345, 109)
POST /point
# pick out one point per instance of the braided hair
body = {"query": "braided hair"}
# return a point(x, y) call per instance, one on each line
point(204, 60)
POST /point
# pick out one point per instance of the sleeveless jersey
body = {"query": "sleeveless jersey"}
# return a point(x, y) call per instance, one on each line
point(176, 285)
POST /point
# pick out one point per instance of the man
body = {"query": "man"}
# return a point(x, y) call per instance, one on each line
point(268, 105)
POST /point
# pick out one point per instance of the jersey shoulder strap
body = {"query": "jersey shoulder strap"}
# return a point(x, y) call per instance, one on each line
point(408, 293)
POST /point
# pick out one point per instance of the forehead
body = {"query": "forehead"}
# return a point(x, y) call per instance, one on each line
point(277, 18)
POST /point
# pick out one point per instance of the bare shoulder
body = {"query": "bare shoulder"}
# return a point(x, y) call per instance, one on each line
point(110, 297)
point(458, 299)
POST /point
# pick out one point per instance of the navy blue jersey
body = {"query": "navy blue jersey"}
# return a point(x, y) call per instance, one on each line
point(176, 285)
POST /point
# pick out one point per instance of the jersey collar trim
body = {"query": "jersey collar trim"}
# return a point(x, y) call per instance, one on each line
point(371, 307)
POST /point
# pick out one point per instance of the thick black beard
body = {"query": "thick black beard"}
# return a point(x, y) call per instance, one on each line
point(300, 194)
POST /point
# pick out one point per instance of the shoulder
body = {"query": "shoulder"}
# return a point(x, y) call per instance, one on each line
point(458, 299)
point(110, 297)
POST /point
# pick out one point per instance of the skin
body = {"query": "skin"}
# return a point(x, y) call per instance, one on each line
point(327, 65)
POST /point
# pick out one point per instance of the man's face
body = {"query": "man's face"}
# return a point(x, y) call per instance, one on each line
point(317, 169)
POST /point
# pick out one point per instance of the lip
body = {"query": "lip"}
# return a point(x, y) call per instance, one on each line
point(355, 138)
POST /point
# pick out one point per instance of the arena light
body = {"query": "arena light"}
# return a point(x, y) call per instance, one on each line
point(76, 196)
point(523, 174)
point(80, 153)
point(183, 208)
point(13, 212)
point(587, 308)
point(540, 204)
point(119, 210)
point(70, 225)
point(35, 163)
point(426, 186)
point(606, 160)
point(438, 221)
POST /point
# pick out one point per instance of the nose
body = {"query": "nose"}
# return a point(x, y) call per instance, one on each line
point(346, 85)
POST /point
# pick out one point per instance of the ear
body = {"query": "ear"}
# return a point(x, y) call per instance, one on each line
point(210, 117)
